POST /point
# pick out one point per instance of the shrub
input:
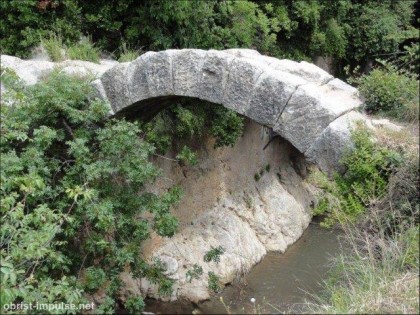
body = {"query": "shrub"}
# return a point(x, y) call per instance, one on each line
point(195, 273)
point(213, 282)
point(74, 205)
point(23, 23)
point(189, 120)
point(387, 90)
point(368, 169)
point(377, 272)
point(226, 126)
point(134, 304)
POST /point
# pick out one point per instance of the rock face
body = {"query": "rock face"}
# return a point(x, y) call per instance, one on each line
point(31, 71)
point(225, 205)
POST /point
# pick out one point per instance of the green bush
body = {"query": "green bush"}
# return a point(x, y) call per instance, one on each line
point(365, 181)
point(195, 273)
point(24, 23)
point(227, 126)
point(74, 206)
point(134, 304)
point(387, 90)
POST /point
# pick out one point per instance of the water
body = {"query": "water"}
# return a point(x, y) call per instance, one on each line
point(280, 283)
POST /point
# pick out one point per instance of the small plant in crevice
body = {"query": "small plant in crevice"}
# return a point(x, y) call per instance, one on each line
point(187, 156)
point(155, 271)
point(195, 273)
point(262, 171)
point(214, 254)
point(214, 282)
point(249, 201)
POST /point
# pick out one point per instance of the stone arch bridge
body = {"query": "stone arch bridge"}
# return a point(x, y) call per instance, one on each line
point(301, 102)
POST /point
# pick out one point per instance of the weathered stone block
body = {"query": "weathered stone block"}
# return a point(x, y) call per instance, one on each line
point(243, 75)
point(271, 94)
point(137, 80)
point(159, 73)
point(115, 85)
point(187, 67)
point(214, 75)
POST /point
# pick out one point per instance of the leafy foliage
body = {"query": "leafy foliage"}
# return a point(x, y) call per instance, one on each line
point(368, 169)
point(214, 254)
point(73, 196)
point(390, 91)
point(195, 273)
point(213, 282)
point(134, 304)
point(292, 29)
point(188, 120)
point(23, 23)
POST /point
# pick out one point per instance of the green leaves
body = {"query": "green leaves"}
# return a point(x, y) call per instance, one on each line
point(390, 91)
point(187, 156)
point(213, 282)
point(73, 196)
point(214, 254)
point(195, 273)
point(227, 127)
point(134, 304)
point(165, 224)
point(368, 169)
point(94, 278)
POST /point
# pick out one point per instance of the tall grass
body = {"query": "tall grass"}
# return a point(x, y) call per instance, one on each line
point(57, 50)
point(379, 275)
point(84, 50)
point(127, 54)
point(54, 46)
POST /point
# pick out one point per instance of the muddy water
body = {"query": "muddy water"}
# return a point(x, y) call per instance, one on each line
point(280, 283)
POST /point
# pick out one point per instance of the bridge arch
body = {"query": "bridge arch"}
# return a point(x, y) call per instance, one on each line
point(301, 102)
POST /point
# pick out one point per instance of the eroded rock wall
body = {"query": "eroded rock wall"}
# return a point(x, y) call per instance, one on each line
point(224, 205)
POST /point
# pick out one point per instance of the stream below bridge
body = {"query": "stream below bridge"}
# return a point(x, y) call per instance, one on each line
point(280, 283)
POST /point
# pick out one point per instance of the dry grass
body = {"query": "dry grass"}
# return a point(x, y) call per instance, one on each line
point(379, 275)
